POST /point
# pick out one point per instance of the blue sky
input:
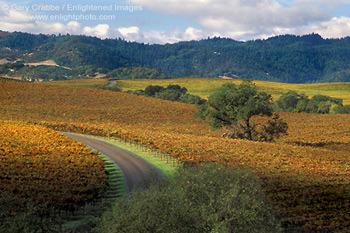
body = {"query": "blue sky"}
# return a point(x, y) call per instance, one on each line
point(170, 21)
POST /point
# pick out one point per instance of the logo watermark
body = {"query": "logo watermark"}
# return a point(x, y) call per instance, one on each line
point(69, 12)
point(73, 17)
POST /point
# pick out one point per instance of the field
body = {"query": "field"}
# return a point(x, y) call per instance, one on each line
point(89, 83)
point(305, 174)
point(41, 165)
point(204, 87)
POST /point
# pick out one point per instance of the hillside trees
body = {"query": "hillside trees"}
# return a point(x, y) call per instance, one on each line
point(285, 58)
point(288, 101)
point(137, 73)
point(171, 92)
point(294, 102)
point(233, 107)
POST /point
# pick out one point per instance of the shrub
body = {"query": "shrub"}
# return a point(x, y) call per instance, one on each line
point(152, 90)
point(209, 198)
point(288, 101)
point(171, 92)
point(168, 94)
point(36, 218)
point(337, 109)
point(192, 99)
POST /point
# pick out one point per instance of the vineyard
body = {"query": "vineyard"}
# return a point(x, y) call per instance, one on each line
point(41, 165)
point(306, 174)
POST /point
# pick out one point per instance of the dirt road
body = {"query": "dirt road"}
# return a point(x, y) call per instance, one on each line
point(134, 168)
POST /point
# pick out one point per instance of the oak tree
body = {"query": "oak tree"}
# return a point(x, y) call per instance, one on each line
point(233, 106)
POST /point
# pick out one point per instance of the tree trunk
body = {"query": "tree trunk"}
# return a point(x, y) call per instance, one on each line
point(236, 130)
point(248, 130)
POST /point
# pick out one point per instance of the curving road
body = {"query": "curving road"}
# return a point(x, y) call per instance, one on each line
point(136, 170)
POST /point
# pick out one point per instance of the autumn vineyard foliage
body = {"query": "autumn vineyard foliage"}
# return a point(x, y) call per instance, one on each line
point(305, 174)
point(41, 165)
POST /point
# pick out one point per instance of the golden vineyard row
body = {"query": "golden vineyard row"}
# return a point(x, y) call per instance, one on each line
point(39, 164)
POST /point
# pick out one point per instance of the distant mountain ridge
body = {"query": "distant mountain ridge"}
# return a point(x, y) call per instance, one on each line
point(286, 58)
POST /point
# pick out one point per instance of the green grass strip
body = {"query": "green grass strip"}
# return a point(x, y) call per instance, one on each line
point(93, 211)
point(168, 169)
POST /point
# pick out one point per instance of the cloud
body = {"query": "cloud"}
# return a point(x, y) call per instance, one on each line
point(237, 19)
point(13, 19)
point(12, 16)
point(337, 27)
point(101, 30)
point(162, 37)
point(193, 34)
point(332, 4)
point(240, 19)
point(26, 21)
point(131, 33)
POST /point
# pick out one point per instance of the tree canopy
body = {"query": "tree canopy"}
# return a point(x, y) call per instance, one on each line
point(294, 102)
point(233, 106)
point(171, 92)
point(207, 198)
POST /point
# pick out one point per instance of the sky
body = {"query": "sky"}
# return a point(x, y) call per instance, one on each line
point(171, 21)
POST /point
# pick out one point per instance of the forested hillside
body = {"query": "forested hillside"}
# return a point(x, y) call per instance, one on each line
point(287, 58)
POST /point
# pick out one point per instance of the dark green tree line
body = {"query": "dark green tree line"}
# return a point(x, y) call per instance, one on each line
point(285, 58)
point(171, 92)
point(294, 102)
